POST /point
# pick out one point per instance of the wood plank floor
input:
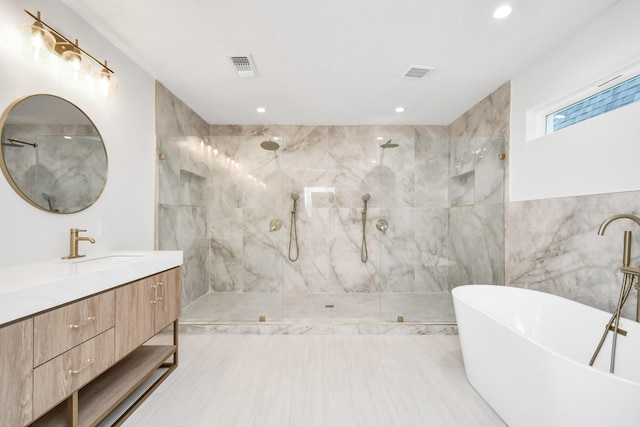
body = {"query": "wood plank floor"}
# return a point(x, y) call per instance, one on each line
point(316, 380)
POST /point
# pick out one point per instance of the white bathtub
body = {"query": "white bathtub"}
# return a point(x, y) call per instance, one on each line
point(527, 353)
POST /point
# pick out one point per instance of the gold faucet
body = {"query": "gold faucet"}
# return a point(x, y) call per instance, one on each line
point(73, 243)
point(626, 250)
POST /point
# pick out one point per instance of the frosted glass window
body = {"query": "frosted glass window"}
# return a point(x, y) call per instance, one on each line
point(617, 96)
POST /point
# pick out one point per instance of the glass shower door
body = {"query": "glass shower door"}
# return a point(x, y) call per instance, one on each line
point(414, 251)
point(443, 201)
point(246, 230)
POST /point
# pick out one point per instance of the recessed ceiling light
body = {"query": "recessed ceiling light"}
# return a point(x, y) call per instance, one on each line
point(399, 109)
point(502, 11)
point(261, 110)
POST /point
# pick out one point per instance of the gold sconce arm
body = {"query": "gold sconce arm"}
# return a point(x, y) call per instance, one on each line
point(63, 44)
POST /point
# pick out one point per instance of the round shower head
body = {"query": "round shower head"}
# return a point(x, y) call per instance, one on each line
point(389, 144)
point(295, 196)
point(366, 197)
point(270, 145)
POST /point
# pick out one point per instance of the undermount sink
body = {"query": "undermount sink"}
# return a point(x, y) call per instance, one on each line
point(109, 258)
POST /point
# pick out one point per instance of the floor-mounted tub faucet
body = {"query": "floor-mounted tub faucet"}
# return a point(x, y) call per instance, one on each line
point(628, 276)
point(73, 243)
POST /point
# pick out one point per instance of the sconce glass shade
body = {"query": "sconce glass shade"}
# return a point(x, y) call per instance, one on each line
point(106, 83)
point(40, 42)
point(78, 65)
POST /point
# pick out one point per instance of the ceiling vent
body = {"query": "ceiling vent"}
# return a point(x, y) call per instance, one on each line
point(244, 65)
point(418, 71)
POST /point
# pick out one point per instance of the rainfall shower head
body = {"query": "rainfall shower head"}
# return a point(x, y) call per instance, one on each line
point(269, 145)
point(295, 196)
point(366, 197)
point(389, 144)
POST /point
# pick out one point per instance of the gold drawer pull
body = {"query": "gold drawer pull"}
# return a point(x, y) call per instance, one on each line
point(161, 285)
point(155, 294)
point(89, 363)
point(85, 323)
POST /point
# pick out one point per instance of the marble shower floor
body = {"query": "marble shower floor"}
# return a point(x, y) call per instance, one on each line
point(316, 380)
point(326, 308)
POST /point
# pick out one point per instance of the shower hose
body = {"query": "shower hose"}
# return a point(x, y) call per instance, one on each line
point(364, 254)
point(614, 322)
point(293, 235)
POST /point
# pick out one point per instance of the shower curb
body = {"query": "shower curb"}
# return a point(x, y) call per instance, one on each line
point(273, 328)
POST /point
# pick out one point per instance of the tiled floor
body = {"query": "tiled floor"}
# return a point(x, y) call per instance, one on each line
point(316, 380)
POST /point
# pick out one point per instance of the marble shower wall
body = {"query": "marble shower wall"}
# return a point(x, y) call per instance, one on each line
point(331, 168)
point(477, 191)
point(415, 201)
point(247, 194)
point(184, 188)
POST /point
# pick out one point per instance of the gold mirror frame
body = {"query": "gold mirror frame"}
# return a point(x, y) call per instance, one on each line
point(91, 172)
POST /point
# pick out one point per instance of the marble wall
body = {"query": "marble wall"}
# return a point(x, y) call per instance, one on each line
point(330, 168)
point(477, 190)
point(184, 187)
point(555, 248)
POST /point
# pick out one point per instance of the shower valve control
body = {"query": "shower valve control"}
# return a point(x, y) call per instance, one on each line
point(382, 225)
point(275, 225)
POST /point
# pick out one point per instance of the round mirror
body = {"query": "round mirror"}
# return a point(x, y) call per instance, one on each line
point(52, 154)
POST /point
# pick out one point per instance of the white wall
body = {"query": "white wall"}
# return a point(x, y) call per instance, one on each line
point(127, 127)
point(597, 156)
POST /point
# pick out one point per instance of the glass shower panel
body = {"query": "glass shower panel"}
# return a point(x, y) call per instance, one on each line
point(245, 230)
point(443, 201)
point(414, 250)
point(476, 215)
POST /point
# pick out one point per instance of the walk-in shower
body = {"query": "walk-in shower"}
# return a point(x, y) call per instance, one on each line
point(371, 229)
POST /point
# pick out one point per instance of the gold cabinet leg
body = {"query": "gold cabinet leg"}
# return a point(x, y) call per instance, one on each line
point(72, 410)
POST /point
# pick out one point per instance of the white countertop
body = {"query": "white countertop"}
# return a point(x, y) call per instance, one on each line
point(31, 288)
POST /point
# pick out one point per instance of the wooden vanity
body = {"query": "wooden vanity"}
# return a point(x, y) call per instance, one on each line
point(76, 363)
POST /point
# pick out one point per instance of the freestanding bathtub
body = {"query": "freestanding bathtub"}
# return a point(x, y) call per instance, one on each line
point(527, 354)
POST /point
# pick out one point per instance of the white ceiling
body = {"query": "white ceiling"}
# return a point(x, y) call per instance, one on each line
point(334, 61)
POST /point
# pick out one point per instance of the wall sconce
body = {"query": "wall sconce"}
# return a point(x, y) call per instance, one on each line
point(45, 41)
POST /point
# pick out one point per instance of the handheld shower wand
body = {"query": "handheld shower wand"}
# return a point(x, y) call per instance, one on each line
point(364, 254)
point(293, 231)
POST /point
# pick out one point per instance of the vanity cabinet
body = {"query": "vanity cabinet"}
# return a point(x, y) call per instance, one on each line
point(16, 373)
point(146, 306)
point(74, 365)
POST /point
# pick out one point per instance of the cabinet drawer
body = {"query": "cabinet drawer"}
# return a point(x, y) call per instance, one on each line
point(59, 330)
point(60, 377)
